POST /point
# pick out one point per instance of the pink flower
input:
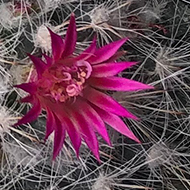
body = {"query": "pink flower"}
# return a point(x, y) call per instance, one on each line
point(70, 89)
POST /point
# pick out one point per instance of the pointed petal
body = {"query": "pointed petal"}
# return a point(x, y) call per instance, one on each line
point(88, 52)
point(39, 64)
point(73, 133)
point(86, 131)
point(71, 38)
point(57, 45)
point(55, 124)
point(118, 83)
point(91, 140)
point(75, 137)
point(28, 87)
point(48, 59)
point(110, 69)
point(27, 99)
point(106, 52)
point(59, 137)
point(106, 103)
point(93, 118)
point(31, 115)
point(50, 124)
point(116, 123)
point(116, 56)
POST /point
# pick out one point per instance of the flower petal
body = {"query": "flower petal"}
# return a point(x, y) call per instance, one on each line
point(106, 103)
point(31, 115)
point(118, 84)
point(73, 133)
point(57, 45)
point(110, 69)
point(27, 99)
point(60, 111)
point(86, 130)
point(71, 37)
point(48, 59)
point(106, 52)
point(116, 56)
point(93, 118)
point(50, 123)
point(88, 52)
point(28, 87)
point(59, 137)
point(116, 123)
point(75, 137)
point(39, 64)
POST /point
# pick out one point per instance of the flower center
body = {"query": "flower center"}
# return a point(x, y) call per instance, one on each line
point(62, 82)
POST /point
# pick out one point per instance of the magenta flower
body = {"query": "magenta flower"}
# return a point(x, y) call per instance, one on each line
point(70, 89)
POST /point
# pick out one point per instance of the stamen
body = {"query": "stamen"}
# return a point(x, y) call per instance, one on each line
point(62, 98)
point(71, 90)
point(66, 76)
point(83, 74)
point(87, 67)
point(63, 82)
